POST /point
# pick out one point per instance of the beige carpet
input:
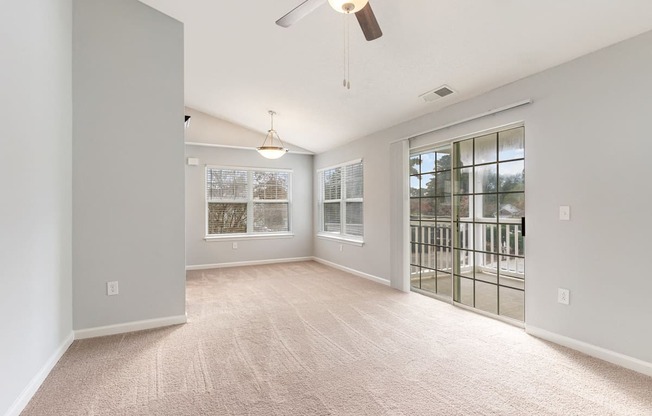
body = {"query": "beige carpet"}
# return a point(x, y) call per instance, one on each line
point(304, 339)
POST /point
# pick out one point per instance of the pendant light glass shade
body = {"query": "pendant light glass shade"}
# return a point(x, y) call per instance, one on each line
point(348, 6)
point(269, 149)
point(272, 152)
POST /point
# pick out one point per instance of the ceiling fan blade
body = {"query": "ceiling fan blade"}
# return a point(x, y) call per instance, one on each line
point(368, 23)
point(299, 12)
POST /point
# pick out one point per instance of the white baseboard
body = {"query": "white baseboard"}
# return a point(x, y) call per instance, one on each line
point(613, 357)
point(353, 271)
point(34, 384)
point(101, 331)
point(245, 263)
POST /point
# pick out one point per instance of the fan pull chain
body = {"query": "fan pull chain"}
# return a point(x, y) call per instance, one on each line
point(346, 83)
point(344, 49)
point(348, 53)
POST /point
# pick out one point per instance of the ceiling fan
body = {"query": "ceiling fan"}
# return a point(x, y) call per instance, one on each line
point(361, 9)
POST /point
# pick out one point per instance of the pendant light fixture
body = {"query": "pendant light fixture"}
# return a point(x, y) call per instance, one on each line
point(269, 149)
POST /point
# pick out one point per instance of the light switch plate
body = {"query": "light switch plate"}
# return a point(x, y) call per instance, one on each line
point(564, 213)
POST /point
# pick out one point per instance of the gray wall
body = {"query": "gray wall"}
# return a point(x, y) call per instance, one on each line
point(128, 186)
point(200, 252)
point(587, 146)
point(374, 256)
point(35, 179)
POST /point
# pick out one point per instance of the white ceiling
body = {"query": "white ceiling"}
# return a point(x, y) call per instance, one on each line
point(239, 63)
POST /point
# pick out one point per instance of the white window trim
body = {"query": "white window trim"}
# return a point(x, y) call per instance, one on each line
point(341, 236)
point(251, 168)
point(250, 206)
point(339, 165)
point(337, 237)
point(252, 236)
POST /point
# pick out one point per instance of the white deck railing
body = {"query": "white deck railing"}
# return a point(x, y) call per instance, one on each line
point(509, 256)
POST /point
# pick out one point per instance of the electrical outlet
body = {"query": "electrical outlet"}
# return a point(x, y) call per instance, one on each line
point(111, 288)
point(563, 296)
point(234, 246)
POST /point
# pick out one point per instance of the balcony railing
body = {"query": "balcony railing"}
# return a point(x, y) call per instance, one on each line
point(501, 246)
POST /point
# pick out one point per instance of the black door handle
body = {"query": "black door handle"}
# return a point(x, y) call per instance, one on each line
point(523, 226)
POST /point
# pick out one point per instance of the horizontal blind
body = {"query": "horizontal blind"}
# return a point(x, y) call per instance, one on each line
point(227, 218)
point(271, 185)
point(341, 199)
point(271, 217)
point(354, 182)
point(354, 193)
point(226, 184)
point(332, 184)
point(244, 201)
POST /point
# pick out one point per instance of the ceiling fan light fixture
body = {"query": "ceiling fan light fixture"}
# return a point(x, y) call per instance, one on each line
point(348, 6)
point(268, 149)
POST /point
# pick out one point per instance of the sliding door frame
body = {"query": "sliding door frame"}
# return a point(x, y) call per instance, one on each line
point(451, 142)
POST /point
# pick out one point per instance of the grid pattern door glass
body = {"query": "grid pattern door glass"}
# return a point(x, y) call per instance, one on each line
point(488, 210)
point(431, 261)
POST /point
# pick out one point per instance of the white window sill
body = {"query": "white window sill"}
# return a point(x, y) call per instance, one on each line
point(236, 237)
point(341, 239)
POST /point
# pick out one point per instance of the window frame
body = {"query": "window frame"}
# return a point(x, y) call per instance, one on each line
point(249, 201)
point(342, 235)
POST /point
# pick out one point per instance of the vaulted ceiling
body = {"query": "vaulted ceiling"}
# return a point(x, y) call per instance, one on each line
point(239, 63)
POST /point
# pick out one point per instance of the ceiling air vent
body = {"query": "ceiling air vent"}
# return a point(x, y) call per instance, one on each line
point(436, 94)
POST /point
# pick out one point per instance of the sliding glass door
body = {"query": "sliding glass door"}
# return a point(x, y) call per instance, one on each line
point(467, 216)
point(431, 233)
point(488, 212)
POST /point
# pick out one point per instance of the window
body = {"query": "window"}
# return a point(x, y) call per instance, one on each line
point(247, 201)
point(341, 201)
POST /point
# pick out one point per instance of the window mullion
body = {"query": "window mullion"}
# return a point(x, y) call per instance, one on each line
point(208, 184)
point(250, 202)
point(343, 199)
point(321, 201)
point(289, 203)
point(272, 201)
